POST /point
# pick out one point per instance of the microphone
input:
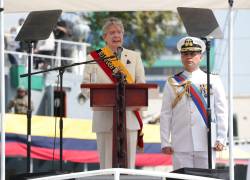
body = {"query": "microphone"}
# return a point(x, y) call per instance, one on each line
point(119, 52)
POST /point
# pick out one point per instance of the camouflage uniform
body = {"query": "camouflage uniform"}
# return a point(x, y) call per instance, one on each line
point(20, 105)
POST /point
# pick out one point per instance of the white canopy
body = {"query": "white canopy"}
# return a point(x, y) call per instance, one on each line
point(117, 5)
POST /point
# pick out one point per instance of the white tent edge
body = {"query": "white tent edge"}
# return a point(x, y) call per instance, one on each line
point(114, 5)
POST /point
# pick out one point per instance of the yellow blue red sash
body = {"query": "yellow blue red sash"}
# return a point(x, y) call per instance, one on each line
point(111, 66)
point(196, 96)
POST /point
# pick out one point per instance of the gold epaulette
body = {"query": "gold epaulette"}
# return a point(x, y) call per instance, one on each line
point(179, 95)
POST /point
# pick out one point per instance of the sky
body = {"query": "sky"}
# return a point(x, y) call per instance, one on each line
point(241, 48)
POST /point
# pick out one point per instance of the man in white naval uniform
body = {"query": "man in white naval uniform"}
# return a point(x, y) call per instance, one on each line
point(102, 125)
point(182, 125)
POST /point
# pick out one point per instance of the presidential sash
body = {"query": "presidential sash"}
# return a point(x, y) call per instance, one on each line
point(111, 66)
point(196, 96)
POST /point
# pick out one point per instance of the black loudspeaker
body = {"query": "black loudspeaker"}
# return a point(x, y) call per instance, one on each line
point(58, 103)
point(212, 173)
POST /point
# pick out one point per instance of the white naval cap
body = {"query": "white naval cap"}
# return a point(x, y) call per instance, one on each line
point(190, 43)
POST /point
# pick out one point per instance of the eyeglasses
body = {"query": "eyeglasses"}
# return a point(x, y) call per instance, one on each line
point(191, 53)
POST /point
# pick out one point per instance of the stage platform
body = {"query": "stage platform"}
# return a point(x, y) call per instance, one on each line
point(122, 177)
point(122, 174)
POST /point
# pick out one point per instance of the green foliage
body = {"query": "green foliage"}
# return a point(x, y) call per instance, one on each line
point(144, 31)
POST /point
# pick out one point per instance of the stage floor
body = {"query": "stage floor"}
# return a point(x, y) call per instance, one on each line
point(122, 177)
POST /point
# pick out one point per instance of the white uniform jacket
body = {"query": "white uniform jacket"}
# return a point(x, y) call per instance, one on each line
point(103, 120)
point(182, 126)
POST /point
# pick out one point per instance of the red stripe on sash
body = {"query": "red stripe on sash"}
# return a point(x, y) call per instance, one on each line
point(196, 97)
point(102, 64)
point(199, 104)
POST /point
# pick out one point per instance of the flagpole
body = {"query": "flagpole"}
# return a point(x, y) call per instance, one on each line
point(230, 92)
point(2, 82)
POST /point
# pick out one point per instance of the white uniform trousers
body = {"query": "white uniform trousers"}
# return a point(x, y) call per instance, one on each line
point(196, 159)
point(104, 146)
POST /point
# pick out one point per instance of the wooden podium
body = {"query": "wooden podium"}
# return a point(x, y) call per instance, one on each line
point(105, 97)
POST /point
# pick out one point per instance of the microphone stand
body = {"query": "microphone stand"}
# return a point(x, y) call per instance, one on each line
point(31, 32)
point(61, 70)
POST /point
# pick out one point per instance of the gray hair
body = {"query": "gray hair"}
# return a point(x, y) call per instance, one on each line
point(112, 21)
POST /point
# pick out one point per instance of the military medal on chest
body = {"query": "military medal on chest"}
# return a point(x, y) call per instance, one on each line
point(203, 89)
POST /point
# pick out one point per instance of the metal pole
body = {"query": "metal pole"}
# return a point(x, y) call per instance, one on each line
point(209, 142)
point(2, 82)
point(208, 106)
point(29, 111)
point(61, 71)
point(230, 92)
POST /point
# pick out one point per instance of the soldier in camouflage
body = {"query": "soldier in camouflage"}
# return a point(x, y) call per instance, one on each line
point(20, 102)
